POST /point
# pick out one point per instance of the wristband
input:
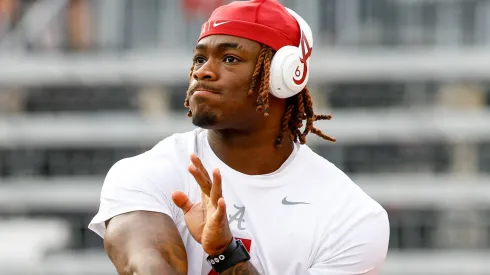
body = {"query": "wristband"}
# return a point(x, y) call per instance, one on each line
point(235, 253)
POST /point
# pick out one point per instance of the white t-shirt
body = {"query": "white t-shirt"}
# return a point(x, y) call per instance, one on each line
point(306, 218)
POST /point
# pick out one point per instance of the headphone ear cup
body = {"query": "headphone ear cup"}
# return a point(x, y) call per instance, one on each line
point(284, 67)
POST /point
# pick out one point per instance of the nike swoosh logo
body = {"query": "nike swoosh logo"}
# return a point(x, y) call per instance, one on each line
point(286, 202)
point(220, 23)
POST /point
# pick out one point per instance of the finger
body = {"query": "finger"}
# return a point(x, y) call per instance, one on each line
point(195, 160)
point(200, 167)
point(182, 201)
point(216, 192)
point(220, 213)
point(200, 179)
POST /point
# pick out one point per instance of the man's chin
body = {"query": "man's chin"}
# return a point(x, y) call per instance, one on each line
point(205, 121)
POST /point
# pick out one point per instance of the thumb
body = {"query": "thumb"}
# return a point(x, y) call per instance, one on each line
point(182, 201)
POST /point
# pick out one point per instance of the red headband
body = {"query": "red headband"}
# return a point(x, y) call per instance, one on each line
point(264, 21)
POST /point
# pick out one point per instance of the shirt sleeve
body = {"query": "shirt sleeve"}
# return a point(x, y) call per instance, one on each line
point(139, 183)
point(360, 251)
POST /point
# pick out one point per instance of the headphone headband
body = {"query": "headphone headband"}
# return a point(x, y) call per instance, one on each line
point(305, 29)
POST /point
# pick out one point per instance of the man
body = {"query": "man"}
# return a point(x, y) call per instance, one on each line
point(271, 205)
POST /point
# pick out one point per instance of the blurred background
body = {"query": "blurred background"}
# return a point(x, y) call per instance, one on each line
point(84, 83)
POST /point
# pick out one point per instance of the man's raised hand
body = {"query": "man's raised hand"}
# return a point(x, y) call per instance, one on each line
point(206, 220)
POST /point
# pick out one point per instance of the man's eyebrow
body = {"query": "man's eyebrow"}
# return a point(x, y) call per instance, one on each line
point(221, 46)
point(225, 46)
point(201, 47)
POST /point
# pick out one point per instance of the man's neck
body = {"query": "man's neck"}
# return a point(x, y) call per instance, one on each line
point(251, 154)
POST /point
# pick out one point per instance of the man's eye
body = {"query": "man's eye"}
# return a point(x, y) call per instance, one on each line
point(230, 59)
point(199, 60)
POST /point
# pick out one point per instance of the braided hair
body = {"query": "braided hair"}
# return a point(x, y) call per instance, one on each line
point(298, 108)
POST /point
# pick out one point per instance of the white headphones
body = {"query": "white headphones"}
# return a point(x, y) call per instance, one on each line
point(290, 65)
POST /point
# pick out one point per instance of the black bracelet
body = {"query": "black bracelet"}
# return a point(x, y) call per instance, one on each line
point(235, 253)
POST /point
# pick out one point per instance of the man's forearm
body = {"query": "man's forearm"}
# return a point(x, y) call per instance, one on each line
point(154, 264)
point(243, 268)
point(153, 269)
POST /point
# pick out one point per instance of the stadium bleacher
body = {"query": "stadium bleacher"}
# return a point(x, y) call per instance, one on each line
point(84, 83)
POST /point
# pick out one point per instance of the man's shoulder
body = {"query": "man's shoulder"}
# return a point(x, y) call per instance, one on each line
point(175, 144)
point(169, 156)
point(340, 200)
point(320, 169)
point(333, 186)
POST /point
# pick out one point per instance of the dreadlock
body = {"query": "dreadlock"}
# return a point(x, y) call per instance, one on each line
point(298, 108)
